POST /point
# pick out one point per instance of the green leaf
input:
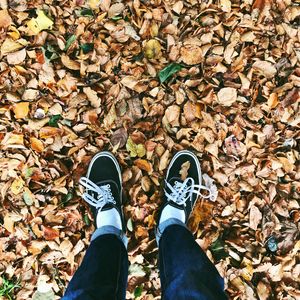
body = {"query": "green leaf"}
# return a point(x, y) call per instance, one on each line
point(130, 225)
point(138, 291)
point(66, 198)
point(168, 71)
point(86, 48)
point(54, 119)
point(27, 197)
point(218, 249)
point(87, 12)
point(28, 172)
point(86, 220)
point(70, 41)
point(116, 18)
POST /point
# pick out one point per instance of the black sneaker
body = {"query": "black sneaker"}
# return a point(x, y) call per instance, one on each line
point(103, 183)
point(182, 193)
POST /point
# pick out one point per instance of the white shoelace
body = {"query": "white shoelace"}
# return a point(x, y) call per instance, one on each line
point(103, 192)
point(183, 191)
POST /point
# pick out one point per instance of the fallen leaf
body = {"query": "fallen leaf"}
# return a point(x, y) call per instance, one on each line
point(41, 22)
point(5, 19)
point(191, 54)
point(135, 149)
point(184, 170)
point(9, 46)
point(226, 5)
point(48, 131)
point(115, 10)
point(152, 49)
point(50, 233)
point(168, 71)
point(265, 68)
point(21, 110)
point(119, 137)
point(16, 58)
point(36, 145)
point(69, 63)
point(17, 186)
point(255, 217)
point(227, 96)
point(143, 165)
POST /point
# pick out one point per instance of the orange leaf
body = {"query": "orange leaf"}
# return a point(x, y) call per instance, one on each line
point(36, 144)
point(21, 110)
point(48, 131)
point(143, 165)
point(50, 233)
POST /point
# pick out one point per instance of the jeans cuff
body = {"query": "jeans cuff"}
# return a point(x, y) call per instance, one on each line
point(109, 229)
point(161, 227)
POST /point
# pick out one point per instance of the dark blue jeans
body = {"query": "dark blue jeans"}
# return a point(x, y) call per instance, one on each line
point(186, 272)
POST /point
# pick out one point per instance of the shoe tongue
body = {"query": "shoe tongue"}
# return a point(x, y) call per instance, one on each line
point(114, 190)
point(173, 179)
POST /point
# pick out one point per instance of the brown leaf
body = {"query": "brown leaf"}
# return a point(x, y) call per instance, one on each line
point(191, 54)
point(227, 96)
point(119, 137)
point(50, 233)
point(5, 19)
point(255, 217)
point(17, 57)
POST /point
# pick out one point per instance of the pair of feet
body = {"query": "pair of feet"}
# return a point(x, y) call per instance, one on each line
point(103, 193)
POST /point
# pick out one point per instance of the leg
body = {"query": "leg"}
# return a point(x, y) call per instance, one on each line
point(103, 272)
point(185, 270)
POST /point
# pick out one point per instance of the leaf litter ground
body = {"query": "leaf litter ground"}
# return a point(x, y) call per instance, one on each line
point(144, 79)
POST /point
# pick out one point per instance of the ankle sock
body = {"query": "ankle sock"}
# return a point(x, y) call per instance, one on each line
point(109, 217)
point(172, 212)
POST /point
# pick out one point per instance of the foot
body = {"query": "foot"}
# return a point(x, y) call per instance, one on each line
point(181, 194)
point(103, 193)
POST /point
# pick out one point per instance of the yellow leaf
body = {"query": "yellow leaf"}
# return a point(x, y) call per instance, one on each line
point(21, 110)
point(152, 49)
point(8, 223)
point(134, 149)
point(17, 186)
point(94, 4)
point(9, 46)
point(13, 139)
point(41, 22)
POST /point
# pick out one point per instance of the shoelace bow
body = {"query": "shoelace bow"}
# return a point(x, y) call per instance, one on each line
point(183, 191)
point(103, 192)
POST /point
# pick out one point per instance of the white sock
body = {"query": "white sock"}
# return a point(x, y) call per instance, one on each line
point(172, 212)
point(109, 217)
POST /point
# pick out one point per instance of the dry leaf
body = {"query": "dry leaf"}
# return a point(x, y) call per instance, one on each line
point(255, 217)
point(41, 22)
point(69, 63)
point(36, 145)
point(5, 19)
point(191, 54)
point(21, 110)
point(265, 68)
point(226, 5)
point(16, 58)
point(227, 96)
point(152, 49)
